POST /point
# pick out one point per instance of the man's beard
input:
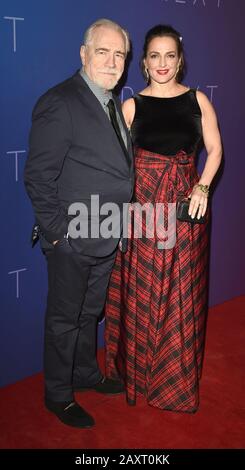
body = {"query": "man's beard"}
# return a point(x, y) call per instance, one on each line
point(107, 82)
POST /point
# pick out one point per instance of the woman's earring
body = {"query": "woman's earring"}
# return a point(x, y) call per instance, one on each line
point(146, 74)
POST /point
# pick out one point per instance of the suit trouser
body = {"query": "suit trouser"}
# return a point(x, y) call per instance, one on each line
point(76, 297)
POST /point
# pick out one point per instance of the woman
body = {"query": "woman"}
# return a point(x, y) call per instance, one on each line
point(157, 299)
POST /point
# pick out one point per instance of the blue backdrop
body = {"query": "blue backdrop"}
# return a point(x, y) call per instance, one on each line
point(40, 44)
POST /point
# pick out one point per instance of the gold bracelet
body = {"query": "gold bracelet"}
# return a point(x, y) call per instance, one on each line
point(203, 187)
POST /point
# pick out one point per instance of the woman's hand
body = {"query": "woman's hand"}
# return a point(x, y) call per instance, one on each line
point(199, 202)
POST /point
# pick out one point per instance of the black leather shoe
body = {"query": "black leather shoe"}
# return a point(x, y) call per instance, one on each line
point(70, 413)
point(106, 386)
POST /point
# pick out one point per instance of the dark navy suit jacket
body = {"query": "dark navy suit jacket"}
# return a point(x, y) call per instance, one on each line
point(74, 153)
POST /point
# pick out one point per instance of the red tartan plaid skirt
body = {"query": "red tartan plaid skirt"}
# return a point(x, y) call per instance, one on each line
point(157, 299)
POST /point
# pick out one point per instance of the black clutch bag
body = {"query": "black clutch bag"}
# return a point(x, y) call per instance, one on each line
point(182, 213)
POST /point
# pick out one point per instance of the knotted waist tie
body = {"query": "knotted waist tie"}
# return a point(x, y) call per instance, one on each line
point(182, 173)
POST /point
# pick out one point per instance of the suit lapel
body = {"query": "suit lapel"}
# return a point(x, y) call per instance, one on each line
point(84, 90)
point(129, 143)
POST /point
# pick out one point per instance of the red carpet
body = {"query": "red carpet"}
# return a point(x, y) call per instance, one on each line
point(219, 423)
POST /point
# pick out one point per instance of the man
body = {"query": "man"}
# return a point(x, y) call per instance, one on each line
point(77, 150)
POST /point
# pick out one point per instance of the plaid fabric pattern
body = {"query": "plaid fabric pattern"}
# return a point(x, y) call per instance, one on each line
point(157, 299)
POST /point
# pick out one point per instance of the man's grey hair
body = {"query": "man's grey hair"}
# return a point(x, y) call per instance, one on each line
point(108, 24)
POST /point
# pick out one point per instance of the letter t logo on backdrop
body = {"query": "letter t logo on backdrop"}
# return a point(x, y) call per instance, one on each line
point(16, 154)
point(17, 272)
point(14, 19)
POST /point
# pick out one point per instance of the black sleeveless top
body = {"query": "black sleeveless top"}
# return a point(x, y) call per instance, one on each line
point(167, 125)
